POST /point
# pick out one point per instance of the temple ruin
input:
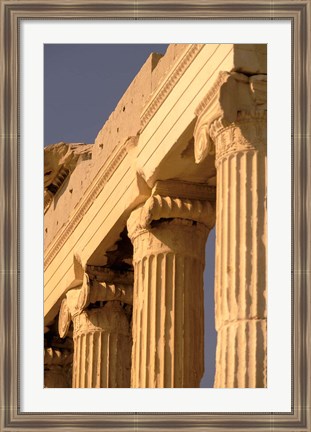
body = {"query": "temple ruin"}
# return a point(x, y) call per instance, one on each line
point(126, 220)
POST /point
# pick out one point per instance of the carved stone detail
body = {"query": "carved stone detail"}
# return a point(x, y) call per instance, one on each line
point(168, 231)
point(85, 293)
point(64, 319)
point(101, 334)
point(234, 98)
point(104, 177)
point(59, 161)
point(169, 236)
point(102, 291)
point(241, 354)
point(93, 320)
point(232, 120)
point(240, 277)
point(102, 355)
point(92, 291)
point(168, 315)
point(167, 207)
point(249, 132)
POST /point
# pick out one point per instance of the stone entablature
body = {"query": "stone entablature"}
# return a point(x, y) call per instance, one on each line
point(233, 97)
point(112, 140)
point(169, 82)
point(200, 134)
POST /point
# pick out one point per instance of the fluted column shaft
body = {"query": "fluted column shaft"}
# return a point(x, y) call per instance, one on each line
point(240, 277)
point(168, 314)
point(169, 236)
point(101, 333)
point(232, 128)
point(102, 348)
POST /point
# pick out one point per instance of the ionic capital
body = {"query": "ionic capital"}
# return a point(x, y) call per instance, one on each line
point(234, 98)
point(91, 291)
point(174, 200)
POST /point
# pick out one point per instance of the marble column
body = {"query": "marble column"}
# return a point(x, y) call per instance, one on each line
point(169, 233)
point(102, 348)
point(239, 140)
point(101, 334)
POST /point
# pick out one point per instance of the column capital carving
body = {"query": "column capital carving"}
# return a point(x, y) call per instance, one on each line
point(110, 317)
point(91, 291)
point(64, 319)
point(234, 98)
point(174, 200)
